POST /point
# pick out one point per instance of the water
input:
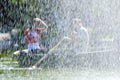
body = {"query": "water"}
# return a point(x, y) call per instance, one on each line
point(63, 74)
point(102, 59)
point(9, 70)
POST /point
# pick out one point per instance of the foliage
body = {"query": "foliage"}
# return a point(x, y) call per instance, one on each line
point(16, 13)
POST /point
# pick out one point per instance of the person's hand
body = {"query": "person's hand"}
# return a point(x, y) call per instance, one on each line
point(74, 33)
point(67, 38)
point(37, 19)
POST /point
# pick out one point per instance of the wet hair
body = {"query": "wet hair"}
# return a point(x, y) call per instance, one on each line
point(30, 23)
point(30, 27)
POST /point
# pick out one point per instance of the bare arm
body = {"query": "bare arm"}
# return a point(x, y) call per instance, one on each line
point(42, 29)
point(71, 37)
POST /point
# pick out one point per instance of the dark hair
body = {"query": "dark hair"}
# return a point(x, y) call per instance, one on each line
point(30, 27)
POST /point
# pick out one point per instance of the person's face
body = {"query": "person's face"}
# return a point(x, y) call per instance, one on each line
point(36, 23)
point(76, 24)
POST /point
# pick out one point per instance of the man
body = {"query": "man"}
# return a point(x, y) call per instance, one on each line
point(32, 34)
point(79, 37)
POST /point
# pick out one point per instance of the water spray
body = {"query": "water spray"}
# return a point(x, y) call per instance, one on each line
point(46, 55)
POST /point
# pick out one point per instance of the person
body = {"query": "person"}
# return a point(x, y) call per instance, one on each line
point(79, 37)
point(32, 35)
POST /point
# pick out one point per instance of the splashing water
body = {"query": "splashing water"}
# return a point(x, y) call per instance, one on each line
point(100, 60)
point(101, 19)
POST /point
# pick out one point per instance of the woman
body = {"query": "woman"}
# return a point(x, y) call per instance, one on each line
point(32, 35)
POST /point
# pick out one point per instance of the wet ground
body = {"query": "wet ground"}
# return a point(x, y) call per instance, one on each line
point(9, 70)
point(59, 74)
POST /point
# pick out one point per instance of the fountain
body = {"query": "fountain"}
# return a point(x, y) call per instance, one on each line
point(101, 20)
point(101, 61)
point(96, 17)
